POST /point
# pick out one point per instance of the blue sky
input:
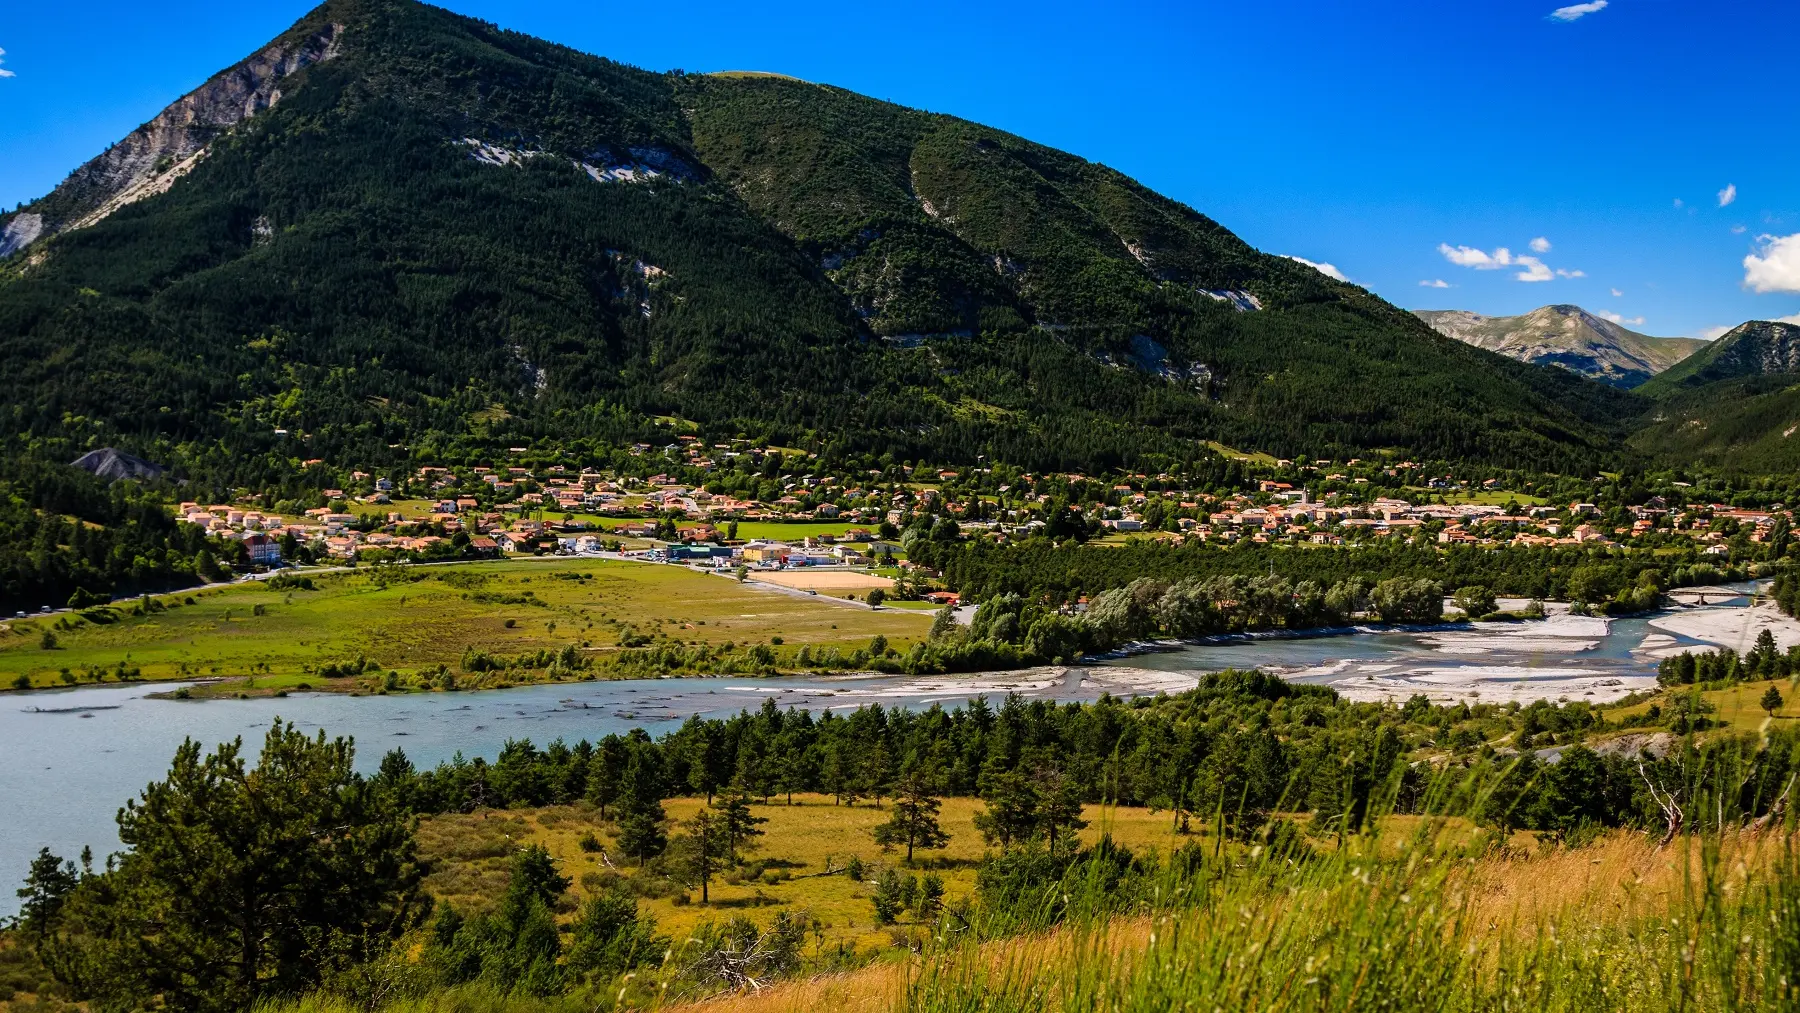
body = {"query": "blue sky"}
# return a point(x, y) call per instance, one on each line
point(1402, 142)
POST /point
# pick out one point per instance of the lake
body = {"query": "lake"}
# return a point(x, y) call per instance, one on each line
point(72, 757)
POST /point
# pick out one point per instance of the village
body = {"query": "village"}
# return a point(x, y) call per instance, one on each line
point(723, 506)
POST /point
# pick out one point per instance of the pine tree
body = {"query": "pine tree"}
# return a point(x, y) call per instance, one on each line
point(48, 884)
point(1059, 808)
point(1012, 810)
point(241, 883)
point(703, 849)
point(913, 819)
point(737, 823)
point(1771, 700)
point(641, 815)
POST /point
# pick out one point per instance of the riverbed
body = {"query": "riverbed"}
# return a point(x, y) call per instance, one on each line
point(1562, 657)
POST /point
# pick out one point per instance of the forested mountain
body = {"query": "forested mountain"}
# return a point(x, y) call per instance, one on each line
point(396, 233)
point(1735, 404)
point(1570, 337)
point(1757, 348)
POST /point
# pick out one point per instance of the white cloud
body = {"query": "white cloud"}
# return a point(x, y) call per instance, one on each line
point(3, 71)
point(1618, 319)
point(1540, 245)
point(1481, 260)
point(1738, 230)
point(1727, 195)
point(1713, 333)
point(1534, 269)
point(1616, 293)
point(1436, 283)
point(1678, 204)
point(1795, 319)
point(1468, 256)
point(1576, 12)
point(1327, 270)
point(1776, 266)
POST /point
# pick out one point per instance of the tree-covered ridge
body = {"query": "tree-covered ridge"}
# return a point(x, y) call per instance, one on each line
point(65, 533)
point(1732, 405)
point(355, 265)
point(1756, 348)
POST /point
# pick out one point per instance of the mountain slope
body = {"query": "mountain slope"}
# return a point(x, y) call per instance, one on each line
point(1570, 337)
point(1756, 348)
point(1734, 404)
point(426, 236)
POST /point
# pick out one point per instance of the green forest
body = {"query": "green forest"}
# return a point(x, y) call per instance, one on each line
point(338, 278)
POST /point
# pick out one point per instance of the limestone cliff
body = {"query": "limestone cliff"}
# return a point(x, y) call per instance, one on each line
point(151, 158)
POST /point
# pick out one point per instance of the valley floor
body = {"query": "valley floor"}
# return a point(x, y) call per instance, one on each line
point(411, 621)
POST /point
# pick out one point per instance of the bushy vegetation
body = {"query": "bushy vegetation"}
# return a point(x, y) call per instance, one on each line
point(1060, 572)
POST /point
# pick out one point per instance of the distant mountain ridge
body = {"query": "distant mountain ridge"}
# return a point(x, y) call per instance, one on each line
point(1570, 337)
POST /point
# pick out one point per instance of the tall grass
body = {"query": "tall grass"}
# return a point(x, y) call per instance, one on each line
point(1430, 921)
point(1398, 914)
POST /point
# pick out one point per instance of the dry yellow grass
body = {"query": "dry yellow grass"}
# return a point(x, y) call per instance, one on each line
point(1513, 894)
point(469, 853)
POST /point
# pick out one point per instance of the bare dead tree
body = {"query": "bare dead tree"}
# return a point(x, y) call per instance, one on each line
point(1666, 801)
point(1777, 809)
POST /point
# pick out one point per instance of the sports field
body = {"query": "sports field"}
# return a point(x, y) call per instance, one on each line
point(810, 579)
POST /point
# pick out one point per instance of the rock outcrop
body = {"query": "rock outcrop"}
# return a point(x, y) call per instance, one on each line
point(113, 465)
point(151, 158)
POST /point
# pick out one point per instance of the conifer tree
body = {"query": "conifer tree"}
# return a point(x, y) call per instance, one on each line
point(913, 819)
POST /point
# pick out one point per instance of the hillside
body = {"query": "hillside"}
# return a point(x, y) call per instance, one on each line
point(1570, 337)
point(396, 233)
point(1757, 348)
point(1735, 404)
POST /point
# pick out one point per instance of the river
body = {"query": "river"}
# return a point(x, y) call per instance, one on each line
point(73, 757)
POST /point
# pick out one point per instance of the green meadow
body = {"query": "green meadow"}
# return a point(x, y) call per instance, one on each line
point(415, 619)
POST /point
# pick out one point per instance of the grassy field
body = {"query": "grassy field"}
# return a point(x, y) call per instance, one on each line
point(788, 866)
point(1619, 925)
point(1479, 497)
point(413, 625)
point(471, 853)
point(1736, 707)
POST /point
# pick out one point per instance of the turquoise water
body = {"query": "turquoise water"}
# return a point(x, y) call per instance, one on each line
point(73, 757)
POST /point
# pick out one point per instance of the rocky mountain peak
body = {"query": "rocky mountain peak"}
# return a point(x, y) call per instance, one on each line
point(151, 158)
point(1567, 336)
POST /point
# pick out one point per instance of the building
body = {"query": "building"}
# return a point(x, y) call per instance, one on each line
point(264, 551)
